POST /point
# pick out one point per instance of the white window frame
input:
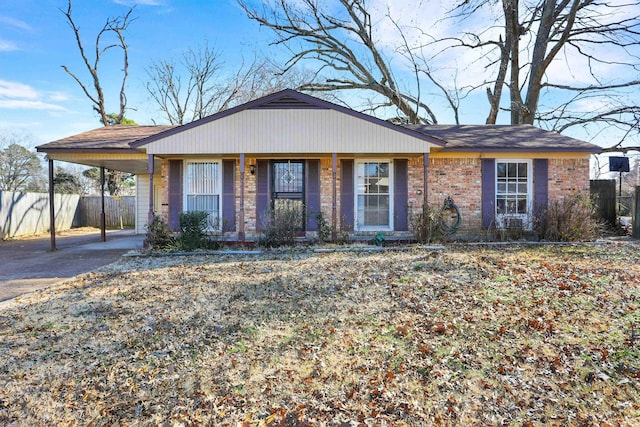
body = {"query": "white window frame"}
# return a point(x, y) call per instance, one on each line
point(356, 193)
point(502, 220)
point(218, 189)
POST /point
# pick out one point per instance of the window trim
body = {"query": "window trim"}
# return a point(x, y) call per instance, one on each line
point(185, 195)
point(527, 218)
point(356, 225)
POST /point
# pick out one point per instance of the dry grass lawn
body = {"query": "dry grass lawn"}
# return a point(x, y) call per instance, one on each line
point(532, 336)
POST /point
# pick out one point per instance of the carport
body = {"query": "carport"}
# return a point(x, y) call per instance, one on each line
point(105, 148)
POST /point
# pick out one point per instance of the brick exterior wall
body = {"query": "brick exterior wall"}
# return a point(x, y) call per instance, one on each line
point(249, 196)
point(460, 179)
point(326, 190)
point(567, 176)
point(164, 193)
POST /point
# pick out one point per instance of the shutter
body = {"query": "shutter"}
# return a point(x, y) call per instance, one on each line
point(540, 186)
point(228, 195)
point(400, 194)
point(346, 194)
point(262, 193)
point(175, 193)
point(313, 194)
point(488, 169)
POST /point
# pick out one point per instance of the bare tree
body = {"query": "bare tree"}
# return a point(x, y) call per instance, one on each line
point(535, 33)
point(113, 26)
point(185, 101)
point(116, 26)
point(345, 46)
point(198, 85)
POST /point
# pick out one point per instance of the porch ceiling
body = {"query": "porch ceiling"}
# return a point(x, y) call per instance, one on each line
point(135, 163)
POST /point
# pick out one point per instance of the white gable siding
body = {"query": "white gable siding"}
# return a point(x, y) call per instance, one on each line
point(284, 131)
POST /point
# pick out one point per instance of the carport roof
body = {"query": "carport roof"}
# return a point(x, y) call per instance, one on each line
point(105, 139)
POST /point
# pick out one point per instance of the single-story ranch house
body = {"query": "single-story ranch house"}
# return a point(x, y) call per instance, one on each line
point(363, 174)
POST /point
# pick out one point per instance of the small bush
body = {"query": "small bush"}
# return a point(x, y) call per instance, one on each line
point(194, 231)
point(346, 229)
point(324, 229)
point(159, 235)
point(568, 220)
point(426, 225)
point(282, 225)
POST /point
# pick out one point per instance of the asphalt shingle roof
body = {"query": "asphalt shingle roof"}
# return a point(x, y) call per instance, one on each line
point(116, 137)
point(503, 138)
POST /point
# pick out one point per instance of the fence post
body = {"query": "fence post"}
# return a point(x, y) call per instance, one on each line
point(636, 214)
point(103, 223)
point(52, 208)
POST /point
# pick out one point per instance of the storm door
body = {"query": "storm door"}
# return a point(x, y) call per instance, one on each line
point(288, 191)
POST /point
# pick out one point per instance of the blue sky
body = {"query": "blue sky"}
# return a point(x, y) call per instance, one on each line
point(38, 98)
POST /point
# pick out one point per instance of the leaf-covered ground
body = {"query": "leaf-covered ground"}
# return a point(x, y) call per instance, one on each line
point(529, 336)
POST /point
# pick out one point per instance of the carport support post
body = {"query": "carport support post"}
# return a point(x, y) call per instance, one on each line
point(103, 225)
point(52, 208)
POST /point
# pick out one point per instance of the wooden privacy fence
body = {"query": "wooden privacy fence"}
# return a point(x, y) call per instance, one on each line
point(24, 214)
point(28, 213)
point(603, 194)
point(120, 212)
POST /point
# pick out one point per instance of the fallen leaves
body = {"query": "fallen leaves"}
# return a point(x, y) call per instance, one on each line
point(525, 336)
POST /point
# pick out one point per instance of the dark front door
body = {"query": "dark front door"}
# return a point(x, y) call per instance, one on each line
point(288, 190)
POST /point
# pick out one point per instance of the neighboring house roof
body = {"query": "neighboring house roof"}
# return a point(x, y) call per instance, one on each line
point(494, 138)
point(107, 138)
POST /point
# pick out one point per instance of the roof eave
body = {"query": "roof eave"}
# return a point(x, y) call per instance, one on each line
point(594, 150)
point(40, 149)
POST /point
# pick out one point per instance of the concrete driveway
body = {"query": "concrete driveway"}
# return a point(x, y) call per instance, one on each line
point(28, 264)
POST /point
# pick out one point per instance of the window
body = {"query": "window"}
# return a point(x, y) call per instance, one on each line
point(374, 209)
point(513, 191)
point(202, 190)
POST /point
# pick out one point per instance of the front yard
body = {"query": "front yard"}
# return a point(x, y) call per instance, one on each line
point(541, 335)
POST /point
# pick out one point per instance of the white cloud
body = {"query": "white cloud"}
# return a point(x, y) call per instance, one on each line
point(7, 46)
point(58, 96)
point(15, 23)
point(14, 104)
point(15, 95)
point(16, 90)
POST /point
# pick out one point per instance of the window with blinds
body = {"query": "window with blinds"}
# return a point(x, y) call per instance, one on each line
point(203, 189)
point(373, 195)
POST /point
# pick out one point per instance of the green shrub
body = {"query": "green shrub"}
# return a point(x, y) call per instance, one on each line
point(158, 235)
point(194, 231)
point(571, 219)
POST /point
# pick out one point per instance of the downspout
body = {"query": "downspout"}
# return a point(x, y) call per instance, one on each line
point(103, 223)
point(52, 209)
point(425, 178)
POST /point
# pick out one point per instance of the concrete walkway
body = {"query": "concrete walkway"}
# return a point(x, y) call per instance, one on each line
point(28, 264)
